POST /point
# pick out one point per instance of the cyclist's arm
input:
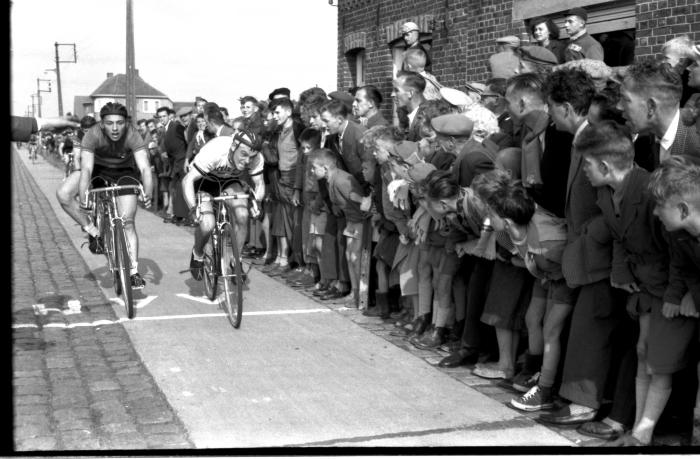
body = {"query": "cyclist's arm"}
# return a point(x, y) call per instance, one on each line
point(259, 187)
point(87, 162)
point(188, 186)
point(144, 166)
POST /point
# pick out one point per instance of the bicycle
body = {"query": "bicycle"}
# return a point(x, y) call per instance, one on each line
point(222, 259)
point(68, 159)
point(32, 152)
point(105, 214)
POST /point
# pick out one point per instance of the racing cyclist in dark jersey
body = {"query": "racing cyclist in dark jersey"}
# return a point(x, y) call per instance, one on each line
point(229, 164)
point(113, 153)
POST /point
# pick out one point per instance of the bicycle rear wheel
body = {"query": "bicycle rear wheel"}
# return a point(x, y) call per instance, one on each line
point(210, 277)
point(123, 267)
point(231, 277)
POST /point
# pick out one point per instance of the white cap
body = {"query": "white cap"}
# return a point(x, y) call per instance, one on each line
point(410, 27)
point(456, 97)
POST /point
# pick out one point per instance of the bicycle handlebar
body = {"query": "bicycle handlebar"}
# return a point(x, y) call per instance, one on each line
point(225, 197)
point(138, 188)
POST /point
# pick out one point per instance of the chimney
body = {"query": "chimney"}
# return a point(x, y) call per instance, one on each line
point(110, 74)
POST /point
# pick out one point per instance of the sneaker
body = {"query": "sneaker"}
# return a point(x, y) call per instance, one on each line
point(523, 381)
point(533, 400)
point(196, 268)
point(137, 281)
point(95, 245)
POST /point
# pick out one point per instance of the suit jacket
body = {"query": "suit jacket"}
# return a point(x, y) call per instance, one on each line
point(351, 152)
point(175, 146)
point(376, 120)
point(474, 159)
point(687, 142)
point(584, 47)
point(588, 253)
point(684, 275)
point(23, 127)
point(640, 252)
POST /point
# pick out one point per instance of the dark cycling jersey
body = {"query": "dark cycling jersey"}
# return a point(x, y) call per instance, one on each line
point(113, 155)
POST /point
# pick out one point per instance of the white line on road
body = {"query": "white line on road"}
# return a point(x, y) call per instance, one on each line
point(97, 323)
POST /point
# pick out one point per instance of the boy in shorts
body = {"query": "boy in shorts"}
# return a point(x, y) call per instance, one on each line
point(346, 195)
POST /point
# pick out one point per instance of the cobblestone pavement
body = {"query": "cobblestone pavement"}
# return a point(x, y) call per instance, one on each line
point(76, 385)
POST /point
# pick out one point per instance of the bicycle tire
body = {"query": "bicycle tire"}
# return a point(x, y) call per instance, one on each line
point(209, 270)
point(231, 279)
point(123, 267)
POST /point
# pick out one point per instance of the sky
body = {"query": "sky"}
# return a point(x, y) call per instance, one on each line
point(218, 49)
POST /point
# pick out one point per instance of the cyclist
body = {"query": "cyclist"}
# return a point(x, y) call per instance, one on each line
point(110, 152)
point(67, 152)
point(68, 191)
point(33, 146)
point(230, 164)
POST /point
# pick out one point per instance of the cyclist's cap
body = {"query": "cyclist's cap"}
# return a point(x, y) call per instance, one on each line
point(113, 108)
point(280, 92)
point(247, 138)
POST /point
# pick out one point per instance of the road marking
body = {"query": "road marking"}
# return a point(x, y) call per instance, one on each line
point(142, 303)
point(98, 323)
point(200, 299)
point(73, 307)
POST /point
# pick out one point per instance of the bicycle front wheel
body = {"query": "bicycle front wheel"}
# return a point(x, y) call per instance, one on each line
point(210, 277)
point(231, 277)
point(123, 267)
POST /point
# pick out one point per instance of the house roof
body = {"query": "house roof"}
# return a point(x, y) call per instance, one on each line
point(116, 86)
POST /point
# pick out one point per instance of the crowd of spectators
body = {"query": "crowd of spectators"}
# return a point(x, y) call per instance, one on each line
point(542, 226)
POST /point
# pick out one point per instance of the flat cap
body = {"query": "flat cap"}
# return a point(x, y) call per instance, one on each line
point(456, 97)
point(409, 27)
point(342, 96)
point(580, 12)
point(184, 111)
point(420, 171)
point(408, 151)
point(538, 55)
point(456, 125)
point(511, 40)
point(284, 92)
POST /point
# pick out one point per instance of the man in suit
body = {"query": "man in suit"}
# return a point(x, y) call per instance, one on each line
point(175, 146)
point(650, 101)
point(22, 127)
point(581, 45)
point(408, 95)
point(365, 107)
point(586, 264)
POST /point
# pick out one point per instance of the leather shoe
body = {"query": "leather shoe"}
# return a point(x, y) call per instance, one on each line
point(333, 294)
point(168, 219)
point(320, 290)
point(569, 414)
point(599, 429)
point(462, 356)
point(279, 270)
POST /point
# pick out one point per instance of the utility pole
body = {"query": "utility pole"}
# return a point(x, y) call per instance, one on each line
point(34, 105)
point(39, 91)
point(58, 73)
point(130, 63)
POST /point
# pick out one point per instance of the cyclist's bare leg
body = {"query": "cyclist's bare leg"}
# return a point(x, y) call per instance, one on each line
point(66, 197)
point(239, 212)
point(126, 206)
point(206, 226)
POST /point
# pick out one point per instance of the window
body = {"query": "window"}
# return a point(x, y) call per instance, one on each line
point(157, 105)
point(145, 106)
point(356, 65)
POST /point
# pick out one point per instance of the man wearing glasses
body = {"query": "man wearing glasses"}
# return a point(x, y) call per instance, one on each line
point(411, 35)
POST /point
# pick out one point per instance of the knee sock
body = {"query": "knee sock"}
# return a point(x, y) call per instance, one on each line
point(91, 229)
point(654, 406)
point(641, 387)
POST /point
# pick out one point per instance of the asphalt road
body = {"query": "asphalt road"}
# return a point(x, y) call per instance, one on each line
point(296, 373)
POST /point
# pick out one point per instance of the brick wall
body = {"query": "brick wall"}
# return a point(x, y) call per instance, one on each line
point(660, 20)
point(464, 32)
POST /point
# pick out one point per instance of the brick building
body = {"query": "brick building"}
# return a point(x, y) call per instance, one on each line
point(461, 34)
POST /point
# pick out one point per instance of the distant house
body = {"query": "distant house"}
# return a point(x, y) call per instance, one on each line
point(113, 89)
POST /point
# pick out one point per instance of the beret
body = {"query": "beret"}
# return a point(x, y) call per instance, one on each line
point(509, 40)
point(455, 97)
point(580, 12)
point(184, 111)
point(538, 55)
point(453, 124)
point(409, 27)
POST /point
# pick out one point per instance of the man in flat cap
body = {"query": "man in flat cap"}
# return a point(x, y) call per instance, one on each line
point(184, 114)
point(411, 35)
point(536, 59)
point(581, 44)
point(279, 93)
point(504, 63)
